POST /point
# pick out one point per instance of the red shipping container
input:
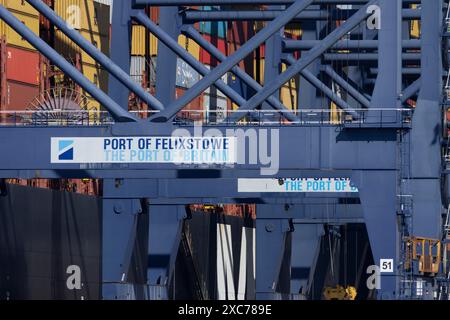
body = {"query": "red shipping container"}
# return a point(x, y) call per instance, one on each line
point(193, 110)
point(220, 44)
point(19, 95)
point(240, 32)
point(22, 65)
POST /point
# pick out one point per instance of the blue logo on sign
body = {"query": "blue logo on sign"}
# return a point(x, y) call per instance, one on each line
point(65, 150)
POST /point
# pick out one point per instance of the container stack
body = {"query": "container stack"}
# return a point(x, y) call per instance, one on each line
point(21, 70)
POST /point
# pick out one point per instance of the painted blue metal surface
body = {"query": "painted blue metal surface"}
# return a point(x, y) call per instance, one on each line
point(365, 147)
point(215, 29)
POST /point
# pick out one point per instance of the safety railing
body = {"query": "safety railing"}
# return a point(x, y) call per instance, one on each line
point(316, 117)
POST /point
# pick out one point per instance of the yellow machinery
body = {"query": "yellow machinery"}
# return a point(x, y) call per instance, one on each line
point(210, 208)
point(426, 252)
point(340, 293)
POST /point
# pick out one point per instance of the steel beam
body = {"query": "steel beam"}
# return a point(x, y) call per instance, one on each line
point(346, 86)
point(120, 218)
point(411, 90)
point(246, 2)
point(307, 59)
point(426, 134)
point(192, 16)
point(380, 214)
point(351, 57)
point(322, 87)
point(186, 56)
point(272, 60)
point(388, 87)
point(232, 60)
point(165, 227)
point(293, 45)
point(116, 111)
point(213, 51)
point(166, 68)
point(272, 236)
point(95, 53)
point(336, 149)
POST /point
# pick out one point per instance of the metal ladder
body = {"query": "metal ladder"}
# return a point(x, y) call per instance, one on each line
point(405, 212)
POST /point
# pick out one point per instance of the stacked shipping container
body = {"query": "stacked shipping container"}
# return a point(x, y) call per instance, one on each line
point(25, 74)
point(92, 20)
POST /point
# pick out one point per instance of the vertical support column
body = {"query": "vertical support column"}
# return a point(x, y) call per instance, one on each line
point(389, 81)
point(307, 93)
point(166, 223)
point(272, 237)
point(305, 251)
point(120, 218)
point(272, 62)
point(119, 215)
point(378, 196)
point(166, 63)
point(426, 133)
point(120, 50)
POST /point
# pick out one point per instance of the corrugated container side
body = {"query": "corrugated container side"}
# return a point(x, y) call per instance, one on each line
point(260, 68)
point(220, 44)
point(194, 105)
point(19, 95)
point(138, 46)
point(69, 49)
point(97, 75)
point(85, 15)
point(19, 6)
point(215, 28)
point(137, 69)
point(23, 65)
point(191, 46)
point(289, 97)
point(12, 37)
point(240, 31)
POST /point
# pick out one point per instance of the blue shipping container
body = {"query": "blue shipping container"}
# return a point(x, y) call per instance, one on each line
point(214, 28)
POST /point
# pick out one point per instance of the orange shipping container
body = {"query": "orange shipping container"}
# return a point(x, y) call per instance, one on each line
point(22, 65)
point(19, 95)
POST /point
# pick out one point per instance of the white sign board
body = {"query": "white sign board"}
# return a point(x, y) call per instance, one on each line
point(300, 185)
point(176, 150)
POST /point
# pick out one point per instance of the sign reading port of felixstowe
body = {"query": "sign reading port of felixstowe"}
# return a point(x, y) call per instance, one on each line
point(306, 185)
point(174, 150)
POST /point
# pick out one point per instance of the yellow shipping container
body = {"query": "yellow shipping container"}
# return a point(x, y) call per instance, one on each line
point(138, 47)
point(68, 48)
point(336, 114)
point(96, 74)
point(19, 6)
point(288, 95)
point(415, 25)
point(191, 46)
point(138, 42)
point(12, 37)
point(93, 105)
point(85, 15)
point(261, 69)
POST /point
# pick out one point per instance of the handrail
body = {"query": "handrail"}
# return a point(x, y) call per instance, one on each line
point(214, 117)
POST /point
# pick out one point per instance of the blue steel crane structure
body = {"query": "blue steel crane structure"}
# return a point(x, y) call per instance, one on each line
point(386, 147)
